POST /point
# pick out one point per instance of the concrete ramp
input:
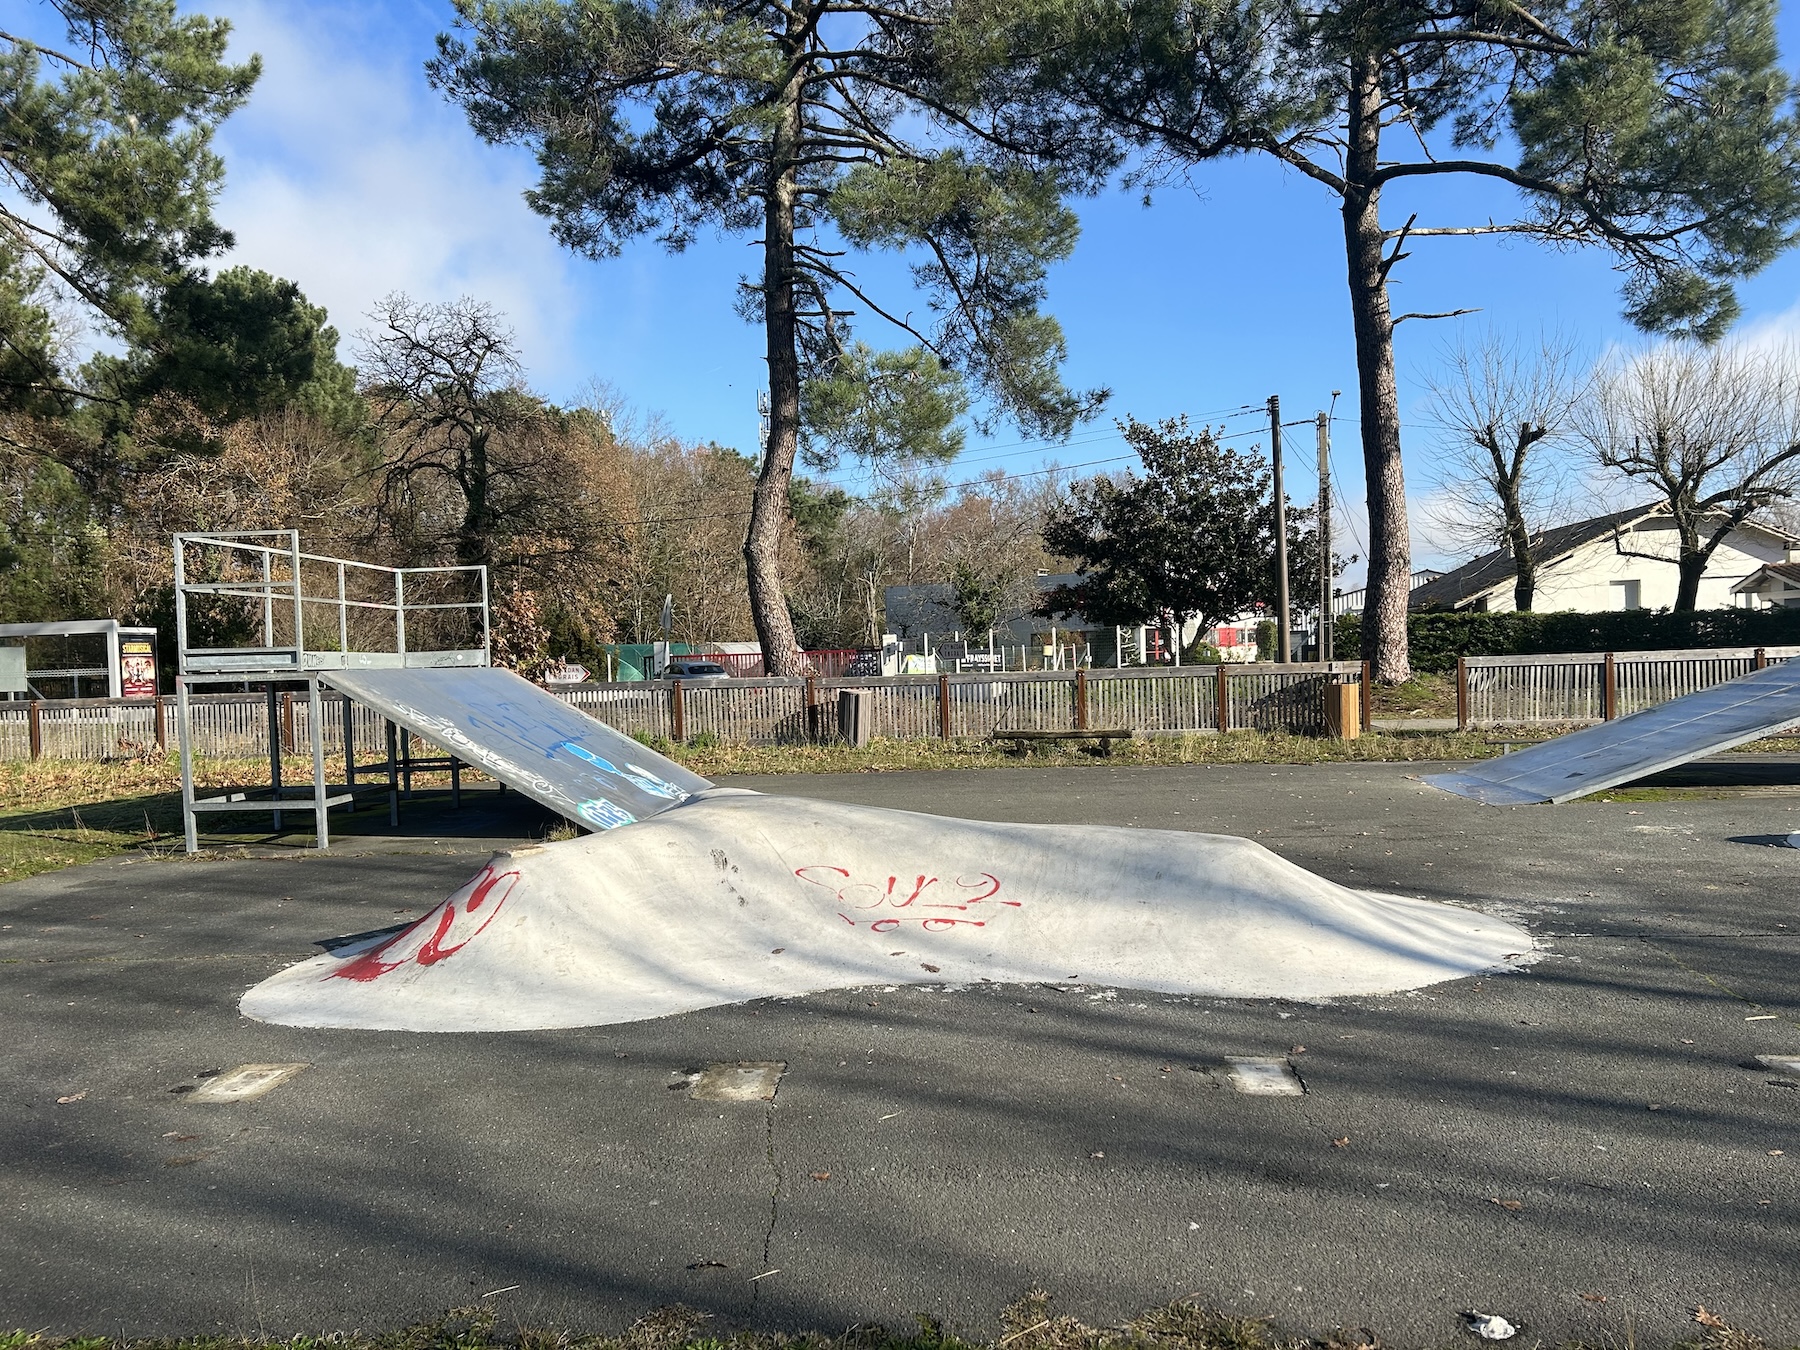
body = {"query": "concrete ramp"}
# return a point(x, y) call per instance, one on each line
point(736, 896)
point(1594, 758)
point(530, 740)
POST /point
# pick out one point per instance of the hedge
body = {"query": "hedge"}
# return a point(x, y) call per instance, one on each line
point(1438, 637)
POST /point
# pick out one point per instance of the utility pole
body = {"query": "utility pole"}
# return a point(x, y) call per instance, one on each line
point(1324, 536)
point(1284, 636)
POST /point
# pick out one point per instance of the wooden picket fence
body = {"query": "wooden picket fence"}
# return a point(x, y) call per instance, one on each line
point(1492, 691)
point(1288, 698)
point(1581, 687)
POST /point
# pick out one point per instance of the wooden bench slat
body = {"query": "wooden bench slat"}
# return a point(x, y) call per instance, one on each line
point(1107, 733)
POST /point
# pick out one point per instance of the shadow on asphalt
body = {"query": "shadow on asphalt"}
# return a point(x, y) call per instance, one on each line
point(972, 1142)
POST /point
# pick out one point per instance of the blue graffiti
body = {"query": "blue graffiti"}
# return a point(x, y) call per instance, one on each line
point(649, 782)
point(605, 814)
point(641, 778)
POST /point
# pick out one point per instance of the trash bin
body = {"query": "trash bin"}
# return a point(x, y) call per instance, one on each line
point(1343, 710)
point(856, 715)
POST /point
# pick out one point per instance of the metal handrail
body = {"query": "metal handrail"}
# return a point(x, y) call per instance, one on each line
point(293, 588)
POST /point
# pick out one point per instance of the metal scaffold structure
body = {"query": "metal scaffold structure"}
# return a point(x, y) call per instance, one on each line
point(252, 609)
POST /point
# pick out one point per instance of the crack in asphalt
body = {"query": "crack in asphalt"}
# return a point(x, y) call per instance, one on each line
point(774, 1201)
point(1725, 989)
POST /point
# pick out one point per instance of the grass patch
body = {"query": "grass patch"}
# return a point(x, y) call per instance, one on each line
point(1237, 747)
point(1029, 1324)
point(1424, 695)
point(56, 813)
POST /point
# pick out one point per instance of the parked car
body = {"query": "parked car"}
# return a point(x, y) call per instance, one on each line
point(680, 669)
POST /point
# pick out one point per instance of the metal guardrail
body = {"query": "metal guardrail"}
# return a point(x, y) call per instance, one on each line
point(278, 588)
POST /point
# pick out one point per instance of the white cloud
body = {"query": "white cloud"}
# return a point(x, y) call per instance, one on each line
point(349, 175)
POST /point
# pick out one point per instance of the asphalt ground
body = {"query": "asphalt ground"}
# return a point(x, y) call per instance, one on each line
point(1583, 1148)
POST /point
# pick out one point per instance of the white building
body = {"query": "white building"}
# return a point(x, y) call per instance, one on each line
point(1623, 561)
point(1771, 586)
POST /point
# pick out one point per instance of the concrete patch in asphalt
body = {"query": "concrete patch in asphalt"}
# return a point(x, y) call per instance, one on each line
point(1263, 1077)
point(244, 1082)
point(751, 1081)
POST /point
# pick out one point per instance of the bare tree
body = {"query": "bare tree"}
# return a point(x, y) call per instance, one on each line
point(476, 469)
point(1504, 410)
point(1714, 431)
point(443, 381)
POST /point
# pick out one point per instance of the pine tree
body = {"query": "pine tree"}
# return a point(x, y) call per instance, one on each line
point(823, 127)
point(1660, 130)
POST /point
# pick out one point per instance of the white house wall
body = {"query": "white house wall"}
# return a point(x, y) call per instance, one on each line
point(1585, 579)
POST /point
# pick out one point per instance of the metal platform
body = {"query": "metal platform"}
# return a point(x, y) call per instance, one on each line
point(528, 739)
point(410, 643)
point(253, 609)
point(1598, 757)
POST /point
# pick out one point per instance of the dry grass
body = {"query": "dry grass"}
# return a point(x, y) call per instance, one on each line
point(1029, 1324)
point(1422, 696)
point(55, 813)
point(1237, 747)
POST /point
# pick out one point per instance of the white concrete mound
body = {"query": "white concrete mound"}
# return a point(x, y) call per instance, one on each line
point(738, 896)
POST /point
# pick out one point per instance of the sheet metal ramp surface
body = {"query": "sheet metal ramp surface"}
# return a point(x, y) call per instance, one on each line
point(529, 739)
point(1598, 757)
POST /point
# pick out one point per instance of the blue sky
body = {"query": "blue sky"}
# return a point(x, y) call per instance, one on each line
point(349, 175)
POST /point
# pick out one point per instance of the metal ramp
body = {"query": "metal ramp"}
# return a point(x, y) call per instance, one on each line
point(532, 741)
point(413, 645)
point(1643, 743)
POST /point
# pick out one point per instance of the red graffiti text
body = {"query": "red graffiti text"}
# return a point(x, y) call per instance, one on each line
point(935, 904)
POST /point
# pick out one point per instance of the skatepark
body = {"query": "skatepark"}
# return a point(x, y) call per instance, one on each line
point(1586, 1138)
point(1329, 1045)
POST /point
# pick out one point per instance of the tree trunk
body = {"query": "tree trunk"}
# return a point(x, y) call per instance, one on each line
point(1390, 550)
point(1518, 537)
point(1691, 568)
point(1691, 557)
point(769, 506)
point(472, 536)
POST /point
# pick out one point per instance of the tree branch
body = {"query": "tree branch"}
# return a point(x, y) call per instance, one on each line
point(1447, 314)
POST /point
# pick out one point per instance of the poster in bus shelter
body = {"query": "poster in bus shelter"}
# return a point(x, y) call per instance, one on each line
point(137, 668)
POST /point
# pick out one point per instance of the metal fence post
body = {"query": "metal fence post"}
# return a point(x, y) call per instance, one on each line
point(677, 713)
point(1462, 693)
point(350, 752)
point(944, 707)
point(315, 727)
point(299, 600)
point(274, 750)
point(1223, 698)
point(812, 707)
point(184, 733)
point(1081, 695)
point(393, 774)
point(1609, 690)
point(400, 612)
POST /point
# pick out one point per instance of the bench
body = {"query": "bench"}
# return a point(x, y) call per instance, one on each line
point(1523, 741)
point(1105, 735)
